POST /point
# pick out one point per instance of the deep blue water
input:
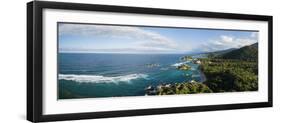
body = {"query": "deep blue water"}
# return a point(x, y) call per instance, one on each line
point(109, 75)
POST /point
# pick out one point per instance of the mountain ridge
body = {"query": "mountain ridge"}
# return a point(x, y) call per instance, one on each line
point(249, 53)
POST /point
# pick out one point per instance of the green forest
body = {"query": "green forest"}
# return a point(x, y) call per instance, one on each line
point(234, 70)
point(225, 75)
point(184, 88)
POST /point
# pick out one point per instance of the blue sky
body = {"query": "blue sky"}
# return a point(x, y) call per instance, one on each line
point(90, 38)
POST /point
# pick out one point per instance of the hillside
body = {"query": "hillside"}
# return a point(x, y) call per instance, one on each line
point(249, 53)
point(221, 52)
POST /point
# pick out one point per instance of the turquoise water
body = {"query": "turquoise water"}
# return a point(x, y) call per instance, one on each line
point(113, 75)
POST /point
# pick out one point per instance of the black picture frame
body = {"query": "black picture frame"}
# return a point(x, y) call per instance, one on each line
point(35, 69)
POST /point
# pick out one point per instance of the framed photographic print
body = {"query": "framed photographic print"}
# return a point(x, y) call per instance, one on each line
point(95, 61)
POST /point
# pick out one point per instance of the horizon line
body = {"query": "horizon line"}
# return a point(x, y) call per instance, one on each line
point(119, 53)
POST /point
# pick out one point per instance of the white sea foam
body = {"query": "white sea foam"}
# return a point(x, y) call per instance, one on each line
point(100, 79)
point(180, 63)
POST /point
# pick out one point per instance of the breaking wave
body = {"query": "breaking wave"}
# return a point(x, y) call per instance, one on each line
point(100, 78)
point(180, 63)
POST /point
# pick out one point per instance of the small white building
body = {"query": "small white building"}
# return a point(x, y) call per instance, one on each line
point(168, 85)
point(198, 62)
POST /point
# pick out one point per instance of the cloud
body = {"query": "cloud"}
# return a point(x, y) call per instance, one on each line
point(254, 35)
point(118, 50)
point(227, 42)
point(144, 38)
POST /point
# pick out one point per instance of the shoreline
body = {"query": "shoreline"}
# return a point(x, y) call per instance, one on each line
point(202, 76)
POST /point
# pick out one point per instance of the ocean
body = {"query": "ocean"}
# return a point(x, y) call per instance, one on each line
point(93, 75)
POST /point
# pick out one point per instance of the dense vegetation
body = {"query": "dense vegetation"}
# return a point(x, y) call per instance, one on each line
point(232, 70)
point(236, 70)
point(184, 88)
point(249, 53)
point(225, 75)
point(183, 67)
point(186, 58)
point(219, 53)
